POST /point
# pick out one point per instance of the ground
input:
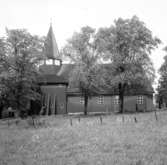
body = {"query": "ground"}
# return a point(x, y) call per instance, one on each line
point(70, 141)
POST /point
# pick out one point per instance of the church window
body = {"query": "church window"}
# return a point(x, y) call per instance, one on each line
point(82, 100)
point(101, 100)
point(140, 100)
point(116, 100)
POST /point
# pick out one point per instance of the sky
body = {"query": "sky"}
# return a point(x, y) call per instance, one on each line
point(68, 16)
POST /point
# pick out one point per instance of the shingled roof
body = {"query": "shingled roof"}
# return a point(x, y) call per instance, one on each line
point(61, 75)
point(50, 47)
point(55, 74)
point(65, 70)
point(51, 79)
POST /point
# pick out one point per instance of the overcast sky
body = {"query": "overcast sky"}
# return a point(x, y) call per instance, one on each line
point(70, 15)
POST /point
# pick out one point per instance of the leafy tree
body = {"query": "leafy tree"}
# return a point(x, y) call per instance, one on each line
point(2, 69)
point(82, 51)
point(162, 84)
point(127, 44)
point(21, 54)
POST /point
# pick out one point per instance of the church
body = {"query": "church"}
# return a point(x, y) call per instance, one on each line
point(58, 98)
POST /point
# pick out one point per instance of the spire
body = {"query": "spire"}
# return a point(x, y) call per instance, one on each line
point(50, 47)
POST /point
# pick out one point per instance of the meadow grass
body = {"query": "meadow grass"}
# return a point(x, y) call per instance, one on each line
point(66, 140)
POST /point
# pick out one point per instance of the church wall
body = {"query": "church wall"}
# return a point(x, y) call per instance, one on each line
point(55, 102)
point(149, 103)
point(136, 103)
point(55, 99)
point(109, 104)
point(99, 104)
point(95, 104)
point(74, 105)
point(130, 104)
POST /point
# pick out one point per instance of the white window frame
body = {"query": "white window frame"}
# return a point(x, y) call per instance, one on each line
point(82, 101)
point(140, 100)
point(116, 100)
point(100, 100)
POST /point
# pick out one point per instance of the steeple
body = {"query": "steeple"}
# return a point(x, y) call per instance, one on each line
point(50, 47)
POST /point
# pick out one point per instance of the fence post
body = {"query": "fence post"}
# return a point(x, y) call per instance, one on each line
point(101, 120)
point(123, 119)
point(70, 121)
point(156, 117)
point(135, 119)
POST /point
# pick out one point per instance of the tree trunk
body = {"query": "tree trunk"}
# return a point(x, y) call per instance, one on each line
point(1, 108)
point(160, 102)
point(18, 103)
point(121, 97)
point(85, 104)
point(18, 97)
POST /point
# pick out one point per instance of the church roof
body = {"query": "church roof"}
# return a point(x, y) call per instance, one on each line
point(61, 75)
point(54, 74)
point(51, 79)
point(50, 47)
point(65, 70)
point(49, 69)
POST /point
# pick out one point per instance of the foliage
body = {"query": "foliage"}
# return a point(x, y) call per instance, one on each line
point(21, 54)
point(162, 84)
point(82, 51)
point(127, 44)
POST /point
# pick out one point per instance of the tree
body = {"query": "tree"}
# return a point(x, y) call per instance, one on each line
point(127, 44)
point(162, 84)
point(21, 55)
point(82, 51)
point(2, 69)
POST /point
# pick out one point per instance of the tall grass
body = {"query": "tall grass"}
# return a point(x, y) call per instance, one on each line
point(92, 140)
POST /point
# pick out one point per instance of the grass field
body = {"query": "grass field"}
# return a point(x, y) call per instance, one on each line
point(61, 141)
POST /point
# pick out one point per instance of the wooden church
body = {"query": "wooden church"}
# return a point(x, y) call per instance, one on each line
point(58, 98)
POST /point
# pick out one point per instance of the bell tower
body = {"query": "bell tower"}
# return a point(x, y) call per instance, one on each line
point(51, 51)
point(53, 86)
